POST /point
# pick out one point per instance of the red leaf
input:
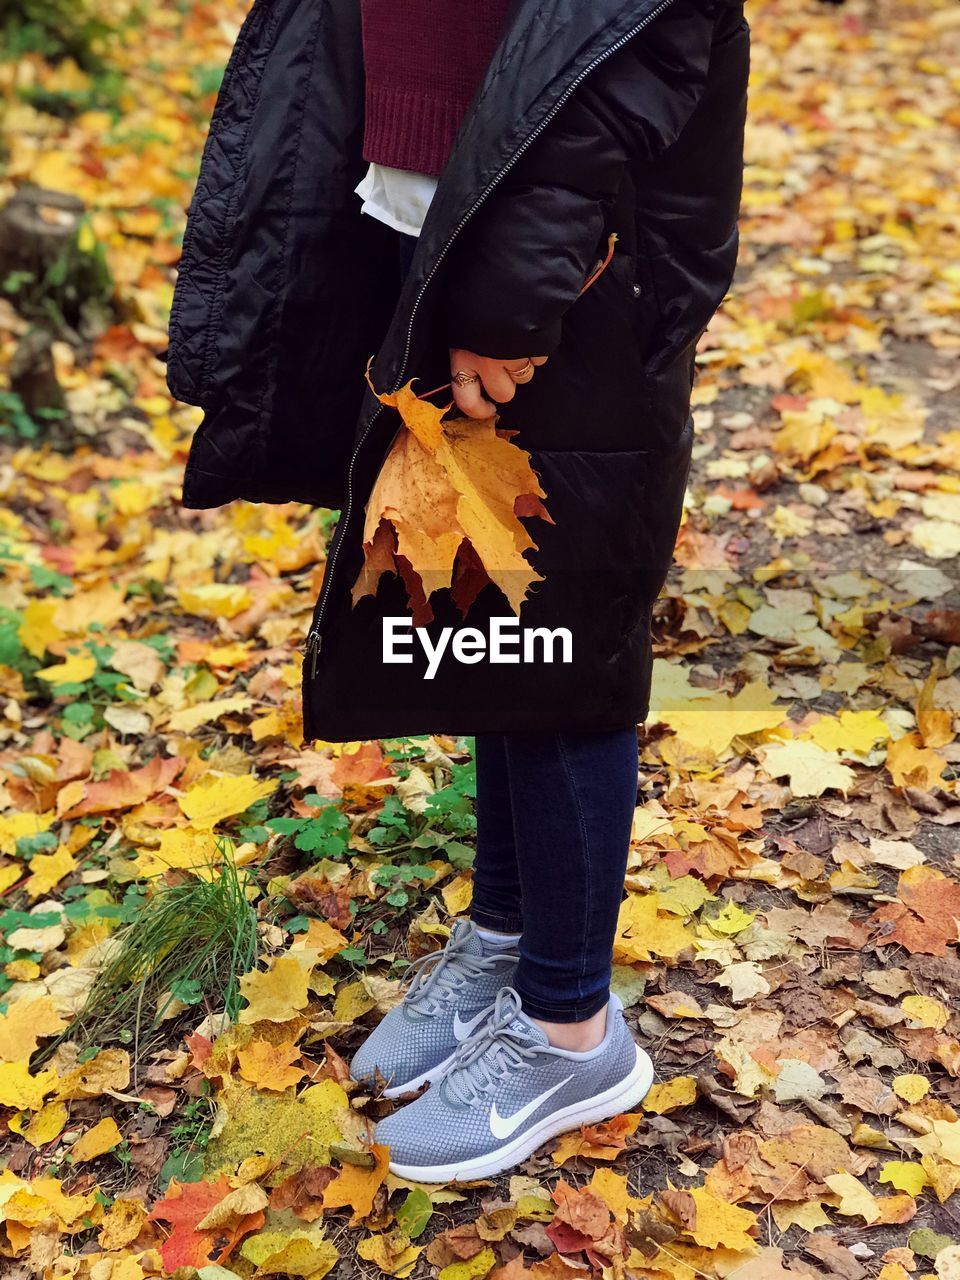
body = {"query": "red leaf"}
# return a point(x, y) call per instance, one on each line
point(185, 1205)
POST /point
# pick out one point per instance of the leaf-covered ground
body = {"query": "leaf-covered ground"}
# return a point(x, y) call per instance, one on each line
point(201, 920)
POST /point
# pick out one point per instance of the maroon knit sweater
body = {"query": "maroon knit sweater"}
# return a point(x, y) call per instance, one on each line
point(424, 60)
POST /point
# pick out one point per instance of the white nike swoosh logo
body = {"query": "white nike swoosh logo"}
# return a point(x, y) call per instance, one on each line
point(503, 1126)
point(463, 1029)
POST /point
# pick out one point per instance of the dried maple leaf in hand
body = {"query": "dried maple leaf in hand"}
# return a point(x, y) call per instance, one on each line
point(445, 510)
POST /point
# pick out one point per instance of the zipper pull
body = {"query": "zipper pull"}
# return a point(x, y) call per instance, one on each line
point(311, 650)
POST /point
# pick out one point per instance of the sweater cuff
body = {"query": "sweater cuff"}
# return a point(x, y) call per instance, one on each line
point(405, 130)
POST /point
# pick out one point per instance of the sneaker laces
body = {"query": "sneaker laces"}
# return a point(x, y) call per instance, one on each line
point(486, 1058)
point(438, 975)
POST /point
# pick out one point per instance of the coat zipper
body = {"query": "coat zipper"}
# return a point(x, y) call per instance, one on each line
point(311, 647)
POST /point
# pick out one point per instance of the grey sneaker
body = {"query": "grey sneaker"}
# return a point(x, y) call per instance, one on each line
point(507, 1092)
point(449, 996)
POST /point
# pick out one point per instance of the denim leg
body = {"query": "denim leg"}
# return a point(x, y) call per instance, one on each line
point(496, 876)
point(573, 797)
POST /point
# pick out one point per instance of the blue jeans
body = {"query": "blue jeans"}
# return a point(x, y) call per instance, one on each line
point(554, 815)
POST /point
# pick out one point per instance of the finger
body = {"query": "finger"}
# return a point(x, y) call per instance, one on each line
point(497, 382)
point(539, 360)
point(469, 400)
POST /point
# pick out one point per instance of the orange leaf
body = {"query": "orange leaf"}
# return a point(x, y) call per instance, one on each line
point(122, 789)
point(355, 1187)
point(269, 1066)
point(448, 486)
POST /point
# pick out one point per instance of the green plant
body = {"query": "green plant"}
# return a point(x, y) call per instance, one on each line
point(188, 1141)
point(196, 938)
point(15, 421)
point(326, 835)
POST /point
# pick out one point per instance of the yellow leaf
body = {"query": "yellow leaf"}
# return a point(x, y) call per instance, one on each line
point(48, 1123)
point(21, 1090)
point(905, 1175)
point(352, 1002)
point(269, 1066)
point(471, 1268)
point(602, 1142)
point(219, 796)
point(321, 938)
point(275, 994)
point(642, 932)
point(9, 875)
point(721, 1225)
point(215, 599)
point(103, 604)
point(911, 1088)
point(613, 1190)
point(732, 919)
point(110, 1069)
point(855, 1200)
point(709, 722)
point(922, 1009)
point(681, 1091)
point(808, 1215)
point(35, 1203)
point(457, 895)
point(191, 718)
point(184, 849)
point(304, 1251)
point(913, 765)
point(734, 616)
point(76, 669)
point(104, 1136)
point(811, 770)
point(18, 825)
point(121, 1225)
point(947, 1132)
point(851, 732)
point(943, 1176)
point(392, 1253)
point(802, 436)
point(38, 631)
point(25, 1024)
point(939, 539)
point(47, 870)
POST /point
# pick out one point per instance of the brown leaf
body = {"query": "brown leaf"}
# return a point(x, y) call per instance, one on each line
point(455, 1245)
point(303, 1188)
point(647, 1231)
point(582, 1210)
point(682, 1206)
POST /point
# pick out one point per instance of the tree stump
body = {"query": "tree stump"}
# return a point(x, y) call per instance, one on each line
point(46, 274)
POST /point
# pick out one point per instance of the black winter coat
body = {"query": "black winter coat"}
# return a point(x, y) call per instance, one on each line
point(596, 116)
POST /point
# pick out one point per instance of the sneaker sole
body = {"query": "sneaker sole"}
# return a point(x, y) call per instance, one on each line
point(619, 1098)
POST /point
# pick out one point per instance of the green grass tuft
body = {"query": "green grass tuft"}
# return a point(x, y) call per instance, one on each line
point(192, 941)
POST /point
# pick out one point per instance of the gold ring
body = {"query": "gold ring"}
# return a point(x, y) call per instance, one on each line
point(523, 374)
point(463, 379)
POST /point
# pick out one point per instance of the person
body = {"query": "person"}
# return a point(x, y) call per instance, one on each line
point(436, 184)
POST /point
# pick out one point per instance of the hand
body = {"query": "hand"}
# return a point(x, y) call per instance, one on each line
point(493, 378)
